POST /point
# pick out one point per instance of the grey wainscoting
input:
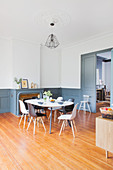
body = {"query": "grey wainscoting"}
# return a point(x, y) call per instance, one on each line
point(4, 100)
point(56, 92)
point(68, 93)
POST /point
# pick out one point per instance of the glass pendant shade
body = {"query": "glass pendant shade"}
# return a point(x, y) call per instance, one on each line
point(52, 42)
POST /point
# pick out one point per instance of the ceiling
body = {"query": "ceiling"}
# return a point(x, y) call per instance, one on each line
point(77, 19)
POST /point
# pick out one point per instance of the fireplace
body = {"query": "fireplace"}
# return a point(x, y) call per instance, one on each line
point(21, 94)
point(28, 96)
point(23, 97)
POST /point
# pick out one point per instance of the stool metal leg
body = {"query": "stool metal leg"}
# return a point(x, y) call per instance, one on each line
point(84, 106)
point(89, 107)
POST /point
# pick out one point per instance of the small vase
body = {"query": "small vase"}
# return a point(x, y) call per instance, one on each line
point(18, 86)
point(47, 98)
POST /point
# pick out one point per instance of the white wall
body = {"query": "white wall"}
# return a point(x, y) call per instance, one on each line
point(5, 64)
point(18, 59)
point(106, 68)
point(26, 61)
point(70, 70)
point(50, 67)
point(108, 75)
point(74, 52)
point(22, 59)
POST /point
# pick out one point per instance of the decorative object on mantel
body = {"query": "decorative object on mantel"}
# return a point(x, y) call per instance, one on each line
point(32, 85)
point(18, 82)
point(47, 94)
point(24, 84)
point(35, 86)
point(52, 41)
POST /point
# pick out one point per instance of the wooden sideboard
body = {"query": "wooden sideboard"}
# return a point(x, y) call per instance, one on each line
point(104, 134)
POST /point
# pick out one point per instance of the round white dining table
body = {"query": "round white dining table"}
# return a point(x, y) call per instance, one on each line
point(42, 103)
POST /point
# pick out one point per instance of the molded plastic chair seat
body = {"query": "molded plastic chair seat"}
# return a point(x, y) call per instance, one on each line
point(69, 117)
point(23, 111)
point(33, 116)
point(66, 109)
point(37, 107)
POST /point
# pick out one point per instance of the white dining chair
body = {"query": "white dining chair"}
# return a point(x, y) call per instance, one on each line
point(84, 105)
point(23, 111)
point(55, 108)
point(34, 115)
point(69, 117)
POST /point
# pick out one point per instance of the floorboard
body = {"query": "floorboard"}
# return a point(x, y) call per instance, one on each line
point(20, 149)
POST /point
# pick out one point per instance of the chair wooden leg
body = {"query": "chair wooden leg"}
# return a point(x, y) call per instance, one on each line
point(55, 113)
point(24, 120)
point(37, 121)
point(89, 108)
point(74, 125)
point(61, 128)
point(29, 123)
point(49, 117)
point(34, 126)
point(59, 121)
point(79, 107)
point(72, 129)
point(21, 119)
point(43, 124)
point(64, 124)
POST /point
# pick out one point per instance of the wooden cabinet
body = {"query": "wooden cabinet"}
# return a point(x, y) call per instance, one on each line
point(104, 134)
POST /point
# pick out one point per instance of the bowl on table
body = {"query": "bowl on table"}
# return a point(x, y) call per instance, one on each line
point(52, 100)
point(40, 102)
point(60, 102)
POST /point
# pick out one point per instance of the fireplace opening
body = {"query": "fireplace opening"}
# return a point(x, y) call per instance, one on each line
point(27, 96)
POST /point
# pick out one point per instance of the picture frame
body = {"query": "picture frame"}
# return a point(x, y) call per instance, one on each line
point(24, 84)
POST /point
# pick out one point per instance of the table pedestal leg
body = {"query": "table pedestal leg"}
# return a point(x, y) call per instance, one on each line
point(50, 120)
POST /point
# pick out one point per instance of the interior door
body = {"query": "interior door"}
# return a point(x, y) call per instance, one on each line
point(88, 78)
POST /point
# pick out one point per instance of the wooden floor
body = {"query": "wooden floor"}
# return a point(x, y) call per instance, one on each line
point(20, 149)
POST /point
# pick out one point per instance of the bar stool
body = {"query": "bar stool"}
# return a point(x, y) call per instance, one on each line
point(84, 105)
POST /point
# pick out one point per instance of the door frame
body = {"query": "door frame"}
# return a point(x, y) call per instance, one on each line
point(95, 53)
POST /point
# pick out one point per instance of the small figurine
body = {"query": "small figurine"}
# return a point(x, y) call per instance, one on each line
point(35, 86)
point(32, 85)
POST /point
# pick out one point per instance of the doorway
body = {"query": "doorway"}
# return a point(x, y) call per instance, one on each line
point(103, 79)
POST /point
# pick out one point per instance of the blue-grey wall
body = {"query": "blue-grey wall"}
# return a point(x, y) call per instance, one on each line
point(56, 92)
point(4, 100)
